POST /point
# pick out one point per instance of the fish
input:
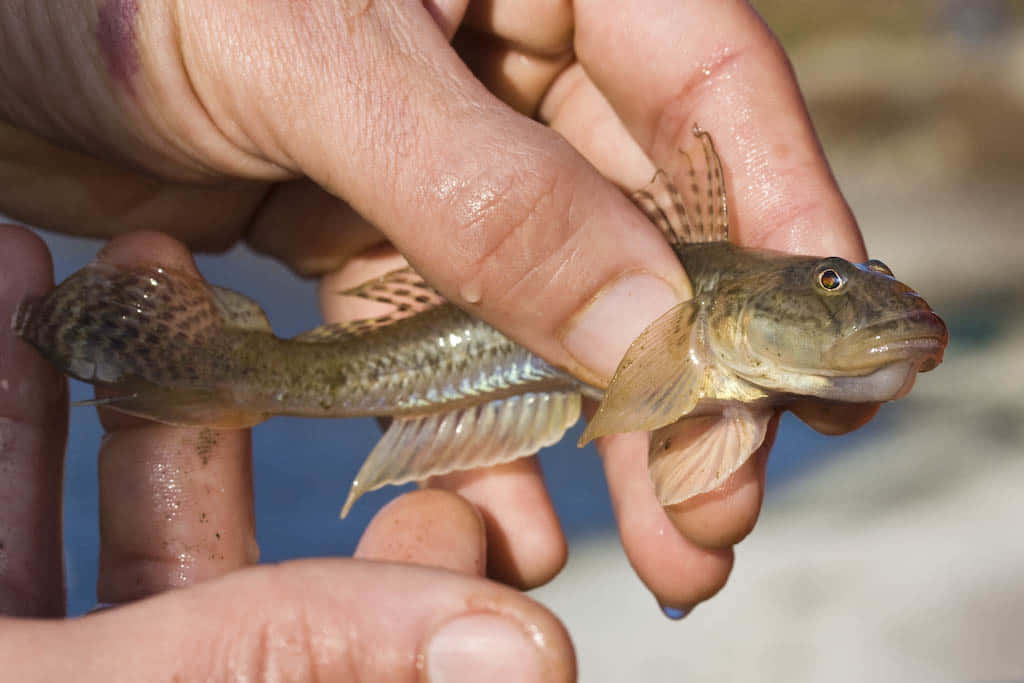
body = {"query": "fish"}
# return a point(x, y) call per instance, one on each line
point(764, 330)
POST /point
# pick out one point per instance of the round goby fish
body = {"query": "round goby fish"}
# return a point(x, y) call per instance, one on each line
point(763, 330)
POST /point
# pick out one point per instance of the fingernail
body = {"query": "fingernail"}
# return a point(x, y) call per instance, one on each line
point(482, 647)
point(675, 613)
point(599, 335)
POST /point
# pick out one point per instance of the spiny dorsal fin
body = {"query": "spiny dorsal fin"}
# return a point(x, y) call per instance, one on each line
point(240, 312)
point(660, 379)
point(696, 208)
point(697, 454)
point(663, 205)
point(414, 448)
point(403, 289)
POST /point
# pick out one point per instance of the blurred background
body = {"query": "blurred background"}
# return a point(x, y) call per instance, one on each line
point(894, 553)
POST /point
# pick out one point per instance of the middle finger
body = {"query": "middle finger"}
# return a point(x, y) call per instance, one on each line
point(176, 503)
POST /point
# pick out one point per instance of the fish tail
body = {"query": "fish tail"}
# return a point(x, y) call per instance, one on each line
point(162, 338)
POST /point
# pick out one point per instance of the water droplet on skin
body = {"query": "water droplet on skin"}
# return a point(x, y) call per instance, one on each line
point(471, 292)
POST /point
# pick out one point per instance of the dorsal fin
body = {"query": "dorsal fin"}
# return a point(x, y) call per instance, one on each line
point(240, 311)
point(403, 289)
point(695, 209)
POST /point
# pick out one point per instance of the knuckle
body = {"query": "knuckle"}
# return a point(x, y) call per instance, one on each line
point(514, 224)
point(282, 644)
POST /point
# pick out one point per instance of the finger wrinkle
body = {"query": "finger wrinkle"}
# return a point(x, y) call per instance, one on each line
point(671, 125)
point(504, 226)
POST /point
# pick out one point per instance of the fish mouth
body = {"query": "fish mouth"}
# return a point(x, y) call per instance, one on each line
point(919, 338)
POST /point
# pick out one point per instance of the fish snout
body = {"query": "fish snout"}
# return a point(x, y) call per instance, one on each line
point(932, 330)
point(919, 335)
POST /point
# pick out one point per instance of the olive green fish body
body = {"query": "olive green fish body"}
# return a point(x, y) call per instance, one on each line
point(163, 329)
point(763, 330)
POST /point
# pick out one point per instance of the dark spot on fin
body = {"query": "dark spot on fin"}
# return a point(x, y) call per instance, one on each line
point(694, 208)
point(697, 454)
point(402, 289)
point(415, 448)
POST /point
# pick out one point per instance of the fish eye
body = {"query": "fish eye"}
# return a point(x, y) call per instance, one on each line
point(830, 280)
point(878, 267)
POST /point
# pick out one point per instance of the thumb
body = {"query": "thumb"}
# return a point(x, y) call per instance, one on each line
point(325, 620)
point(497, 211)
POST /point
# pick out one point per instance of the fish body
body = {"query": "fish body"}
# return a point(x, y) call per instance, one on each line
point(764, 329)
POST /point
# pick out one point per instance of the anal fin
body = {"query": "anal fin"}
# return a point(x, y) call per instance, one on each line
point(414, 448)
point(178, 406)
point(697, 454)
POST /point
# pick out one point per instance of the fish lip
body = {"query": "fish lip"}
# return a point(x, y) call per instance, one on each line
point(923, 340)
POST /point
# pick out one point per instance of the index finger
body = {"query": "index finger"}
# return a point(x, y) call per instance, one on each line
point(731, 76)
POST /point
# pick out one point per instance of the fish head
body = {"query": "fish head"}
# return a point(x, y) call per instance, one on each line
point(828, 328)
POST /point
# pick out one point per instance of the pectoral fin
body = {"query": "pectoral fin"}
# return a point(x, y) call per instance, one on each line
point(697, 454)
point(660, 379)
point(414, 448)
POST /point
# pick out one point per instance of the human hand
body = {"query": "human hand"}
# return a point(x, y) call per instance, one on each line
point(229, 103)
point(365, 619)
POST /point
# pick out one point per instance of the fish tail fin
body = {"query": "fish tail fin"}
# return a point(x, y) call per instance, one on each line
point(415, 448)
point(157, 336)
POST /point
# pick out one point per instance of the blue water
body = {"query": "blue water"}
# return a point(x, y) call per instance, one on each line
point(302, 467)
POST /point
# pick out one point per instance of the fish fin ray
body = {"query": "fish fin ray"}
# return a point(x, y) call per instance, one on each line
point(104, 401)
point(415, 448)
point(109, 323)
point(697, 454)
point(661, 377)
point(404, 290)
point(181, 407)
point(695, 207)
point(662, 203)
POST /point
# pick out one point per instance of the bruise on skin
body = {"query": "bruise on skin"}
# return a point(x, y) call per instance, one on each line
point(115, 33)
